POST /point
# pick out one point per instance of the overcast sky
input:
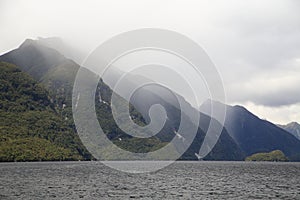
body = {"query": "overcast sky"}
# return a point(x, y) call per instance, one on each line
point(255, 44)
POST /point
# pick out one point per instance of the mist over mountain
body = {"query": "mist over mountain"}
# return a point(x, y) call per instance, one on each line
point(57, 74)
point(243, 134)
point(62, 47)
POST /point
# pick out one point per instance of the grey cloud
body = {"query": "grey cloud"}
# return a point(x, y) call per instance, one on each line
point(273, 99)
point(270, 89)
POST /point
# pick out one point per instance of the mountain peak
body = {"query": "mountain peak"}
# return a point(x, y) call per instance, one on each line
point(34, 58)
point(28, 42)
point(47, 42)
point(293, 124)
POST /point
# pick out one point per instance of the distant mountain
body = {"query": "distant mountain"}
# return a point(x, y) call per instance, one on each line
point(30, 128)
point(255, 135)
point(293, 128)
point(57, 74)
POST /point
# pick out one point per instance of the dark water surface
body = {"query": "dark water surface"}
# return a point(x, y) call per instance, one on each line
point(181, 180)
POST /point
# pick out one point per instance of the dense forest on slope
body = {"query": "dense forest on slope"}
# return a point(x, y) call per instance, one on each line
point(30, 128)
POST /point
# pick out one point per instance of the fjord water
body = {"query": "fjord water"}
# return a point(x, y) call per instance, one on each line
point(181, 180)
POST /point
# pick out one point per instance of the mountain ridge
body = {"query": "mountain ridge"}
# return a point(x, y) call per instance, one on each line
point(43, 70)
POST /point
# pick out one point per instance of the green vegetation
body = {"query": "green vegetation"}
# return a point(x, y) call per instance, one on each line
point(30, 128)
point(33, 149)
point(276, 155)
point(35, 126)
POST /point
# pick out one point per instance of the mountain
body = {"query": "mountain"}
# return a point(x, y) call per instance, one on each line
point(144, 98)
point(30, 128)
point(293, 128)
point(34, 59)
point(255, 135)
point(57, 74)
